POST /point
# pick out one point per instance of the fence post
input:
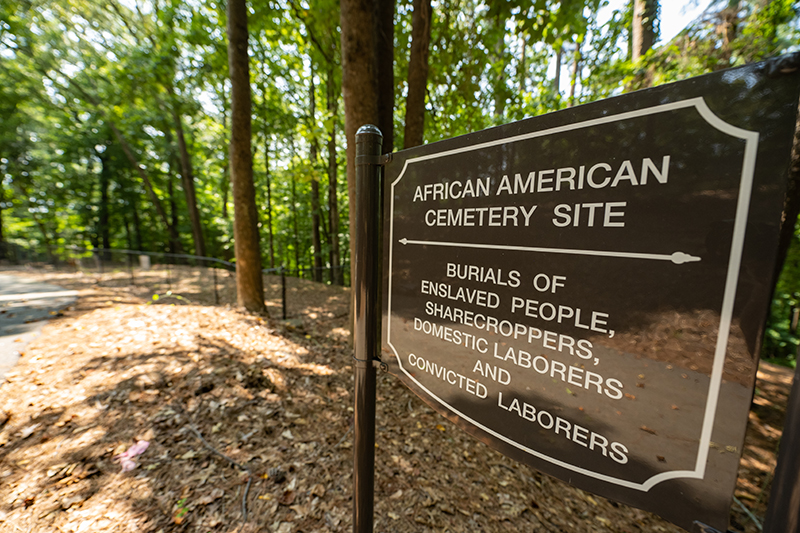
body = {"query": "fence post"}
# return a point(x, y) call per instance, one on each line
point(366, 335)
point(283, 291)
point(216, 294)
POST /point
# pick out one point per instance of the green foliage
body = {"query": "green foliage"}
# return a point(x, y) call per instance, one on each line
point(74, 68)
point(782, 336)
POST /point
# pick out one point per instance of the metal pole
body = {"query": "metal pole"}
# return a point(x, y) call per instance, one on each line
point(783, 513)
point(283, 291)
point(216, 294)
point(130, 268)
point(366, 333)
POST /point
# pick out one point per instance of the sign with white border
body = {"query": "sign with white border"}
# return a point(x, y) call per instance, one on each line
point(584, 291)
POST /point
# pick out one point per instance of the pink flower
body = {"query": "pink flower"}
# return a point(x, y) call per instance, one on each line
point(126, 459)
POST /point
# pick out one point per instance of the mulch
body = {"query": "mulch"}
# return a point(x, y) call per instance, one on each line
point(246, 414)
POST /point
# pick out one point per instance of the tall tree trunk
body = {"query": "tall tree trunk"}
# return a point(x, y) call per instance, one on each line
point(359, 87)
point(499, 87)
point(332, 92)
point(103, 229)
point(296, 245)
point(522, 62)
point(263, 89)
point(226, 180)
point(384, 57)
point(269, 202)
point(249, 282)
point(557, 81)
point(128, 234)
point(576, 69)
point(187, 179)
point(643, 32)
point(315, 207)
point(137, 224)
point(173, 206)
point(2, 234)
point(414, 132)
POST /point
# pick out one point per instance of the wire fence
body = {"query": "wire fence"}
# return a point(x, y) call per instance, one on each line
point(185, 277)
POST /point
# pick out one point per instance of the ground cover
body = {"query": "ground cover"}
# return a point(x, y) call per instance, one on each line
point(245, 413)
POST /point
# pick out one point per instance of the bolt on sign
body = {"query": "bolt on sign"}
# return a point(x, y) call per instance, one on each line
point(585, 291)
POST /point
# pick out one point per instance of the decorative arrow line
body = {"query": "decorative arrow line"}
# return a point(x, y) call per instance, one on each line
point(678, 258)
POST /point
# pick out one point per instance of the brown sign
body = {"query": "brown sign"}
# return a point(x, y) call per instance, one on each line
point(585, 291)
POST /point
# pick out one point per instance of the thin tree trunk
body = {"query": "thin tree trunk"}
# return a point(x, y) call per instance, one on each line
point(384, 57)
point(315, 207)
point(173, 207)
point(2, 234)
point(249, 282)
point(226, 180)
point(269, 202)
point(337, 275)
point(187, 179)
point(500, 88)
point(128, 234)
point(643, 33)
point(418, 73)
point(137, 225)
point(576, 68)
point(522, 60)
point(294, 226)
point(265, 75)
point(557, 81)
point(103, 230)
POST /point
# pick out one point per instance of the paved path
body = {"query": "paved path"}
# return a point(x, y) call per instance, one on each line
point(25, 306)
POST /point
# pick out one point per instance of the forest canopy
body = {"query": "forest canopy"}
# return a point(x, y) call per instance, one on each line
point(116, 115)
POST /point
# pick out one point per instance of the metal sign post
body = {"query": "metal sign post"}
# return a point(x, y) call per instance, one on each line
point(366, 334)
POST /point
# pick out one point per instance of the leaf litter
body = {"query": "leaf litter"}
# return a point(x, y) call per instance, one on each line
point(242, 413)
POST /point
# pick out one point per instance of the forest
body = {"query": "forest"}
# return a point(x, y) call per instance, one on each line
point(117, 116)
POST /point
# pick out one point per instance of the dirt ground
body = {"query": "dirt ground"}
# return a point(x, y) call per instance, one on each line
point(253, 415)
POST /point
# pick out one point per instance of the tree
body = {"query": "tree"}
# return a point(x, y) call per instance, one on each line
point(644, 27)
point(418, 73)
point(359, 87)
point(384, 63)
point(249, 282)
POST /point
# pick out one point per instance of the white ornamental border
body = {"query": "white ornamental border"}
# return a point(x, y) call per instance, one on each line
point(740, 225)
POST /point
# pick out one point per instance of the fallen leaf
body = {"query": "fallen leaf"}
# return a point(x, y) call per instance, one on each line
point(287, 498)
point(216, 494)
point(28, 431)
